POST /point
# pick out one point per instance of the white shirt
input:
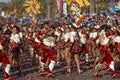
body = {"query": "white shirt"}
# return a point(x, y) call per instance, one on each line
point(66, 36)
point(72, 36)
point(93, 35)
point(117, 39)
point(48, 42)
point(83, 38)
point(15, 38)
point(105, 41)
point(57, 33)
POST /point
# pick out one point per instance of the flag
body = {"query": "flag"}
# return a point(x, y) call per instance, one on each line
point(75, 7)
point(59, 4)
point(79, 19)
point(79, 2)
point(32, 6)
point(69, 2)
point(65, 8)
point(86, 2)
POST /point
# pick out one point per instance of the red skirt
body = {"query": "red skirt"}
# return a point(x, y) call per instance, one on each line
point(75, 49)
point(85, 48)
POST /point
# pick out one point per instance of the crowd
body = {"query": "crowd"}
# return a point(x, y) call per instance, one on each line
point(97, 37)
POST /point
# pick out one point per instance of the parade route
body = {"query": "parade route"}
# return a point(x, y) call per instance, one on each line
point(30, 72)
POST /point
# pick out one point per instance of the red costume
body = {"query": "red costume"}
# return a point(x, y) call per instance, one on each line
point(76, 47)
point(117, 47)
point(84, 37)
point(4, 61)
point(106, 55)
point(47, 52)
point(61, 44)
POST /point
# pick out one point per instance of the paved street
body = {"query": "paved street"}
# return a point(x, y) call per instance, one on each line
point(30, 72)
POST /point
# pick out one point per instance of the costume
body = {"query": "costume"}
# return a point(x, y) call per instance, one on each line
point(76, 48)
point(4, 61)
point(48, 53)
point(67, 40)
point(107, 59)
point(83, 38)
point(36, 43)
point(60, 43)
point(117, 44)
point(15, 41)
point(93, 43)
point(93, 36)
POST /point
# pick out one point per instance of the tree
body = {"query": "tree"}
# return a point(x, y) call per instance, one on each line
point(92, 7)
point(17, 4)
point(42, 6)
point(52, 11)
point(4, 7)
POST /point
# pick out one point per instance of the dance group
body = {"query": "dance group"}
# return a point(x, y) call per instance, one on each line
point(61, 43)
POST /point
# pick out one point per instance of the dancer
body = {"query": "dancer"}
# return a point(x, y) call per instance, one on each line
point(4, 56)
point(15, 40)
point(107, 59)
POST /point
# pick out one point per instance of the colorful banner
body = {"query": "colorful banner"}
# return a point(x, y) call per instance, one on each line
point(86, 2)
point(32, 6)
point(77, 18)
point(65, 8)
point(79, 2)
point(59, 4)
point(69, 2)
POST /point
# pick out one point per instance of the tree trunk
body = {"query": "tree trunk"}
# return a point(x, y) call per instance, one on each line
point(52, 11)
point(49, 9)
point(92, 7)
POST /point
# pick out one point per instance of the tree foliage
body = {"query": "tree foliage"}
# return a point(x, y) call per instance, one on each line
point(43, 7)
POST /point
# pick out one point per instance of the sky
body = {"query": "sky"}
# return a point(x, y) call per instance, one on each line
point(5, 0)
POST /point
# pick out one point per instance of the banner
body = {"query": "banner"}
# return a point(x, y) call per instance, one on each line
point(69, 2)
point(65, 8)
point(79, 2)
point(111, 4)
point(77, 18)
point(59, 4)
point(86, 2)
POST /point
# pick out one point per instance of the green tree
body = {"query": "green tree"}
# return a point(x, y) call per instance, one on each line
point(3, 6)
point(43, 7)
point(18, 5)
point(92, 7)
